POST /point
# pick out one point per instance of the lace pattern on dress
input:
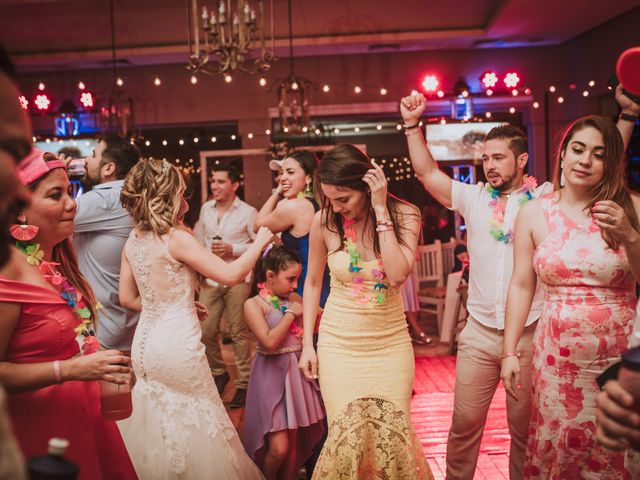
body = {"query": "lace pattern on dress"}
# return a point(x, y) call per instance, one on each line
point(372, 439)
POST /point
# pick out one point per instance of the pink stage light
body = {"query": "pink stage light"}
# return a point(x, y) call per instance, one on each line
point(86, 98)
point(24, 103)
point(430, 83)
point(511, 80)
point(42, 102)
point(489, 79)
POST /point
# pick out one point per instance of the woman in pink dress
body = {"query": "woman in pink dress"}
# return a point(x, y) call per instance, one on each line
point(583, 242)
point(52, 388)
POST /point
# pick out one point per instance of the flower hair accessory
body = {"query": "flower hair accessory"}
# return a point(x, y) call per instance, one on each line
point(165, 165)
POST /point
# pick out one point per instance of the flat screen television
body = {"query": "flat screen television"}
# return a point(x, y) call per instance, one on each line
point(457, 141)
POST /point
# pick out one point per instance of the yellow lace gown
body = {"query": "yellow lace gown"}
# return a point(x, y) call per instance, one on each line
point(366, 370)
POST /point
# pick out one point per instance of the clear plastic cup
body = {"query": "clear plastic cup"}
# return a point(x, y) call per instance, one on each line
point(115, 399)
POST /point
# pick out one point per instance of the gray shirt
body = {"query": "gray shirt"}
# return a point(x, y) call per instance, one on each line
point(102, 227)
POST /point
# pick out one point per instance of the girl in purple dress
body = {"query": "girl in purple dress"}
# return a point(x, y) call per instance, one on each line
point(284, 411)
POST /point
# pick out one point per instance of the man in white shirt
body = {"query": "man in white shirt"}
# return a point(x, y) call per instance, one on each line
point(489, 211)
point(226, 226)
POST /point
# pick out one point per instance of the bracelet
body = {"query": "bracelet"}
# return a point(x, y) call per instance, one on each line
point(409, 127)
point(412, 132)
point(384, 228)
point(288, 311)
point(386, 221)
point(511, 354)
point(628, 117)
point(56, 371)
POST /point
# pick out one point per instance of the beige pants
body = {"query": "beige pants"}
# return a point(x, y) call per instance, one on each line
point(477, 377)
point(216, 299)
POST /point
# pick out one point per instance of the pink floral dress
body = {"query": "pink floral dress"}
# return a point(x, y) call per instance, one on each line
point(586, 324)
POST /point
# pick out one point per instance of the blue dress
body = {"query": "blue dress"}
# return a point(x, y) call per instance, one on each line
point(300, 245)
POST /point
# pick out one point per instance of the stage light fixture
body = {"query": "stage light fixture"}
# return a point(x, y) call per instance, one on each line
point(430, 83)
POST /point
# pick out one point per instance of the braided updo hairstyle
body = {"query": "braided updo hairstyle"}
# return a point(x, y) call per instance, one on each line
point(152, 194)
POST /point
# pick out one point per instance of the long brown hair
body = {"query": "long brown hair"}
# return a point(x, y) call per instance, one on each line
point(344, 166)
point(613, 185)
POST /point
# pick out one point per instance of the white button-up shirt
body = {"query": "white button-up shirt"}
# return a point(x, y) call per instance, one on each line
point(234, 227)
point(491, 261)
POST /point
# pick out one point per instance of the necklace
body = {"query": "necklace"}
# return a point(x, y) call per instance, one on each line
point(273, 300)
point(68, 293)
point(497, 215)
point(357, 280)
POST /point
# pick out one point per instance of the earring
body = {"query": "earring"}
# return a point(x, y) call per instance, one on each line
point(23, 232)
point(561, 173)
point(307, 191)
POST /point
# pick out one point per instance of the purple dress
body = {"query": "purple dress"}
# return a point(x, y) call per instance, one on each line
point(280, 398)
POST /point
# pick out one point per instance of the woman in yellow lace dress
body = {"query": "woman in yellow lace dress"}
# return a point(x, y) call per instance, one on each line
point(365, 359)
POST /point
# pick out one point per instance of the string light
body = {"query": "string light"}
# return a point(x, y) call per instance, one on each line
point(285, 130)
point(357, 89)
point(398, 127)
point(196, 139)
point(119, 82)
point(250, 135)
point(267, 132)
point(233, 137)
point(489, 92)
point(378, 127)
point(81, 85)
point(164, 143)
point(325, 88)
point(560, 99)
point(536, 104)
point(440, 94)
point(357, 129)
point(552, 89)
point(262, 82)
point(512, 110)
point(41, 86)
point(585, 93)
point(514, 92)
point(214, 139)
point(181, 142)
point(383, 91)
point(228, 78)
point(487, 114)
point(194, 79)
point(305, 129)
point(592, 83)
point(147, 143)
point(157, 82)
point(336, 130)
point(318, 131)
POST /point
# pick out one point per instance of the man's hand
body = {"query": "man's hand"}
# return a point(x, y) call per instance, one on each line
point(221, 249)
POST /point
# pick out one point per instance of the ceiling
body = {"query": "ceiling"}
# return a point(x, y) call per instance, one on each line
point(75, 34)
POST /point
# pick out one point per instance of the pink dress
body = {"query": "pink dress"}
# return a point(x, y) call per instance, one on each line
point(586, 324)
point(70, 410)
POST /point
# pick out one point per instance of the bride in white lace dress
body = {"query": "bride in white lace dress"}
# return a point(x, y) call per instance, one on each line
point(179, 428)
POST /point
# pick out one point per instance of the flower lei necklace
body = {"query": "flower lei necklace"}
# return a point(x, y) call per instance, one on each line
point(357, 280)
point(273, 300)
point(497, 217)
point(67, 292)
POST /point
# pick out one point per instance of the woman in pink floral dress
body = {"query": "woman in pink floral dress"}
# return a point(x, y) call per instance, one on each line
point(583, 241)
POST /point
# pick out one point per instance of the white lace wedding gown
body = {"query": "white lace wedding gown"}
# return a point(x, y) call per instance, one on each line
point(179, 428)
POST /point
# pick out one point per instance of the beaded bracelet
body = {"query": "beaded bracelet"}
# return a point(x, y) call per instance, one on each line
point(384, 228)
point(412, 132)
point(409, 127)
point(511, 354)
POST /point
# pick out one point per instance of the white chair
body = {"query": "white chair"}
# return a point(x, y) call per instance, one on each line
point(454, 312)
point(428, 271)
point(448, 257)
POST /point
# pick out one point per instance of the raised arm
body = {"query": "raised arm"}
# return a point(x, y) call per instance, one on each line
point(398, 259)
point(311, 300)
point(272, 214)
point(270, 338)
point(629, 108)
point(521, 291)
point(186, 249)
point(434, 180)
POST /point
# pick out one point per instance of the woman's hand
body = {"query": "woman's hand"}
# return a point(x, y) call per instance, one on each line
point(510, 375)
point(626, 104)
point(202, 311)
point(309, 363)
point(412, 108)
point(263, 237)
point(107, 365)
point(610, 216)
point(377, 182)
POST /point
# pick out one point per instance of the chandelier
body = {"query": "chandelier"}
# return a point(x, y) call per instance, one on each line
point(222, 39)
point(116, 112)
point(292, 91)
